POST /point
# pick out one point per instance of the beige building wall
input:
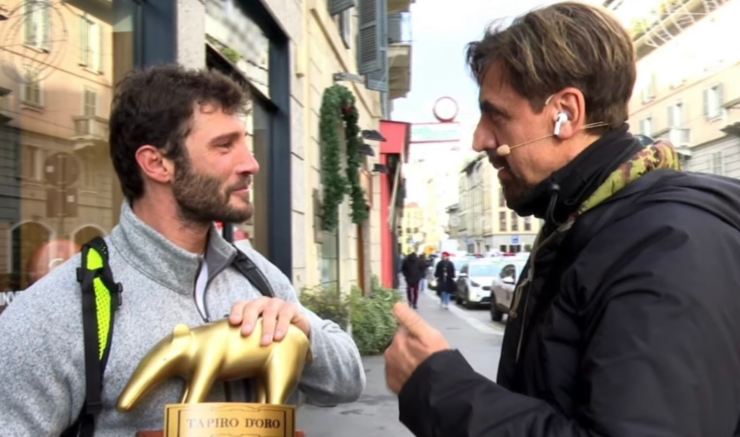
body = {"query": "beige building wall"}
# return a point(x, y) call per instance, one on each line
point(687, 91)
point(412, 229)
point(324, 53)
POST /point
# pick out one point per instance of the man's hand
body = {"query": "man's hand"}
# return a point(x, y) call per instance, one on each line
point(413, 343)
point(277, 316)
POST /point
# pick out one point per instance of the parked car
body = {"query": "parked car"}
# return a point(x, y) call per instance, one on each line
point(502, 287)
point(474, 279)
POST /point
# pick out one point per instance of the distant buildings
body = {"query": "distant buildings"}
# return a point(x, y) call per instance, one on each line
point(687, 78)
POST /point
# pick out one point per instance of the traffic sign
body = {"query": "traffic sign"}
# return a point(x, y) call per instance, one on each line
point(61, 169)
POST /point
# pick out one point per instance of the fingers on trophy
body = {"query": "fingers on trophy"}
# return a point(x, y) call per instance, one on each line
point(219, 352)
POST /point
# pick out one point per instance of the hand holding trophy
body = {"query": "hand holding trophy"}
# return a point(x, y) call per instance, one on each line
point(219, 352)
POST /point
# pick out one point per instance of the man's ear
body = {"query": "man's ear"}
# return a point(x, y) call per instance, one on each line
point(570, 100)
point(154, 165)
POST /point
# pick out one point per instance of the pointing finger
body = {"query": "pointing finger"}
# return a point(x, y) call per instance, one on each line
point(410, 319)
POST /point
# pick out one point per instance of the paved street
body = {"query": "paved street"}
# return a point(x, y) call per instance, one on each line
point(375, 414)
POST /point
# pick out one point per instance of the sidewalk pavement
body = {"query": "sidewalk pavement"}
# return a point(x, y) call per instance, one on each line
point(375, 414)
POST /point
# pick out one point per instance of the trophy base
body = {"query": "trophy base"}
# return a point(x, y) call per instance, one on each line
point(229, 418)
point(161, 434)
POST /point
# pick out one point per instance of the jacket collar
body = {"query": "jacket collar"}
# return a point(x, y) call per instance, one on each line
point(160, 260)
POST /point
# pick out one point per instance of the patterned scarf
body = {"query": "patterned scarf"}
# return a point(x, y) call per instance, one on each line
point(660, 155)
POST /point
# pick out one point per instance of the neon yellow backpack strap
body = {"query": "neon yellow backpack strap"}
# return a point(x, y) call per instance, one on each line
point(101, 297)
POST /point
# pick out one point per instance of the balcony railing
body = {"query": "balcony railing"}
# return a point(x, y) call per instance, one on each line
point(89, 131)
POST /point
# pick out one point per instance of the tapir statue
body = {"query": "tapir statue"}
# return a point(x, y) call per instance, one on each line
point(218, 351)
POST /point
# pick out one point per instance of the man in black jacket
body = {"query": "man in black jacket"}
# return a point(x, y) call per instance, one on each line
point(626, 321)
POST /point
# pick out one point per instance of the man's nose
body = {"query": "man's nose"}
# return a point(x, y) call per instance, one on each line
point(483, 138)
point(247, 162)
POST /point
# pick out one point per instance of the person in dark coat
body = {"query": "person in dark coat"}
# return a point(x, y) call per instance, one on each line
point(445, 274)
point(423, 269)
point(412, 275)
point(625, 320)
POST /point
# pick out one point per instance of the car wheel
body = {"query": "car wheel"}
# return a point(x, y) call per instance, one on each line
point(467, 303)
point(496, 314)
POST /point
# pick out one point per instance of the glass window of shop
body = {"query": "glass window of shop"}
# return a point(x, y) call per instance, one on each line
point(58, 63)
point(238, 47)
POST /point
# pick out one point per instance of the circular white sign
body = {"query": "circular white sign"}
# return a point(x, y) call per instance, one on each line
point(445, 109)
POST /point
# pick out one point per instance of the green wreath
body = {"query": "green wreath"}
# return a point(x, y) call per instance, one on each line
point(338, 106)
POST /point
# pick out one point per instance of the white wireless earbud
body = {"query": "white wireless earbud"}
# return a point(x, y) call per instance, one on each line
point(560, 120)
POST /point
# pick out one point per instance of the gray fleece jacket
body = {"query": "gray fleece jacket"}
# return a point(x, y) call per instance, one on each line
point(42, 377)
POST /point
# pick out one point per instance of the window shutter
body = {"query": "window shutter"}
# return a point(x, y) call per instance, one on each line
point(720, 96)
point(378, 80)
point(30, 31)
point(370, 38)
point(96, 48)
point(706, 102)
point(44, 9)
point(84, 45)
point(670, 116)
point(395, 28)
point(339, 6)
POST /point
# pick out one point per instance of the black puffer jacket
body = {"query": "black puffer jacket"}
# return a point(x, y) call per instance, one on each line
point(630, 326)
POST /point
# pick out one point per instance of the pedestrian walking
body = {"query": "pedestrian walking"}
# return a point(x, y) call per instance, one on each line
point(412, 275)
point(445, 274)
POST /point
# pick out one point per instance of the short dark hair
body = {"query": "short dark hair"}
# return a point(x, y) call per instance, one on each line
point(565, 44)
point(155, 106)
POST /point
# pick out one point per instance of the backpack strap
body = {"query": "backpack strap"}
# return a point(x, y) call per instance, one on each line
point(101, 297)
point(253, 274)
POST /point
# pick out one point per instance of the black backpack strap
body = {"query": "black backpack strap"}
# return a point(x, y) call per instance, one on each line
point(101, 296)
point(253, 274)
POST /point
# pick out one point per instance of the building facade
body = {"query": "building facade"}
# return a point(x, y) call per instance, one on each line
point(60, 60)
point(687, 89)
point(480, 221)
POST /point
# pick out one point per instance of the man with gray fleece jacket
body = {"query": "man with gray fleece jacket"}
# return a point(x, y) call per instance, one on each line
point(180, 151)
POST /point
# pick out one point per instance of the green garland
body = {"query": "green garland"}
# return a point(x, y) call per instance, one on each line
point(338, 106)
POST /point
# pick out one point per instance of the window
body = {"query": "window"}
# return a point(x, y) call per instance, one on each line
point(648, 90)
point(713, 102)
point(514, 221)
point(344, 23)
point(90, 103)
point(509, 271)
point(528, 223)
point(501, 198)
point(502, 248)
point(717, 163)
point(31, 163)
point(37, 23)
point(502, 220)
point(90, 44)
point(675, 115)
point(31, 90)
point(646, 126)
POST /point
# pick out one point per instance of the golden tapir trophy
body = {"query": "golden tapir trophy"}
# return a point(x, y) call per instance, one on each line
point(219, 352)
